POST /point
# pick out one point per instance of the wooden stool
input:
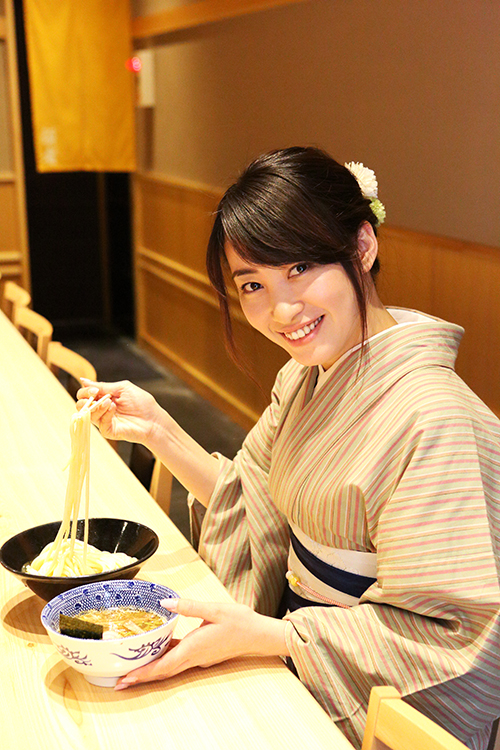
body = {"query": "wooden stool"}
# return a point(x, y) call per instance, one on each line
point(73, 365)
point(36, 329)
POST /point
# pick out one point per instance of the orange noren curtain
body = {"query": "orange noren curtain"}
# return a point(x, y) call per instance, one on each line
point(82, 94)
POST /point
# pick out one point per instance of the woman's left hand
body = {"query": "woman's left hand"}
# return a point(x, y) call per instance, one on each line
point(227, 631)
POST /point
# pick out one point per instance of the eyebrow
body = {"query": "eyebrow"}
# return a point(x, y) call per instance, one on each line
point(242, 272)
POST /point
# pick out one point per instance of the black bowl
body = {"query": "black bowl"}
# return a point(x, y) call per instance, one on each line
point(107, 534)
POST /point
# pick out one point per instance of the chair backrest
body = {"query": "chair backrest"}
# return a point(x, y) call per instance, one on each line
point(14, 296)
point(72, 365)
point(392, 723)
point(161, 485)
point(35, 328)
point(494, 743)
point(150, 471)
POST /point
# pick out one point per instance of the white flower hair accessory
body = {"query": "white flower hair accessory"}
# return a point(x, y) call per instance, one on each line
point(368, 184)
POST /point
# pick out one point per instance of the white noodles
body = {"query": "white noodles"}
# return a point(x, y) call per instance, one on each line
point(66, 555)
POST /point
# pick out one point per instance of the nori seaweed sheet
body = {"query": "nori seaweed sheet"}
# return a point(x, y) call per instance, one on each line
point(77, 628)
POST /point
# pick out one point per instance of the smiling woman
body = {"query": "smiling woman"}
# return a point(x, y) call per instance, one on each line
point(296, 207)
point(309, 309)
point(354, 525)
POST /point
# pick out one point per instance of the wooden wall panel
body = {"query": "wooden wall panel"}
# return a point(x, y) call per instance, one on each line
point(406, 270)
point(9, 231)
point(162, 230)
point(5, 118)
point(454, 280)
point(178, 221)
point(182, 328)
point(178, 318)
point(11, 259)
point(467, 291)
point(14, 251)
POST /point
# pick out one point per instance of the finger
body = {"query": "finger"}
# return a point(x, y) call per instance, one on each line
point(89, 401)
point(103, 415)
point(87, 382)
point(100, 387)
point(168, 665)
point(98, 390)
point(210, 611)
point(87, 392)
point(103, 401)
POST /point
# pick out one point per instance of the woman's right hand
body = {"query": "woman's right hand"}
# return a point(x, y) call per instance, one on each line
point(133, 414)
point(130, 414)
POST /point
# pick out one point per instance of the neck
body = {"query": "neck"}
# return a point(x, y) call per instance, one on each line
point(377, 317)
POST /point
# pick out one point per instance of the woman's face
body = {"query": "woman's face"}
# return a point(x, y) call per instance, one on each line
point(309, 310)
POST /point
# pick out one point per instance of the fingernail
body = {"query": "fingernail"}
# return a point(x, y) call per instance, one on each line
point(170, 604)
point(126, 682)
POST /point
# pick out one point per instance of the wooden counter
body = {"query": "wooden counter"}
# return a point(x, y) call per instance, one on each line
point(253, 702)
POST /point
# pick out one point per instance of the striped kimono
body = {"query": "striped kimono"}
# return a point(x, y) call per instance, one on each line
point(392, 454)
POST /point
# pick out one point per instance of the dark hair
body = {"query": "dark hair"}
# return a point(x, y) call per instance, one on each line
point(292, 205)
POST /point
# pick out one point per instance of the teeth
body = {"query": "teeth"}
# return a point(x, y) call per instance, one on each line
point(294, 335)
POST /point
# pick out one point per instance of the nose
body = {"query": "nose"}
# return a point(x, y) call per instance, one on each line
point(284, 311)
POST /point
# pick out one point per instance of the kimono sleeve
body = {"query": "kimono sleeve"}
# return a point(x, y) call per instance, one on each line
point(244, 538)
point(430, 624)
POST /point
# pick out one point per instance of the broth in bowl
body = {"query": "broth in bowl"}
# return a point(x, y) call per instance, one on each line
point(123, 622)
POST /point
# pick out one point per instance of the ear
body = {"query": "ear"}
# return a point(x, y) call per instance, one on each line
point(367, 246)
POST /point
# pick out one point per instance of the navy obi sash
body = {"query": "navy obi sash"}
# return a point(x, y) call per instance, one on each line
point(325, 584)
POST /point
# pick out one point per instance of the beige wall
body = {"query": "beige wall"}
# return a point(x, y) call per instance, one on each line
point(410, 88)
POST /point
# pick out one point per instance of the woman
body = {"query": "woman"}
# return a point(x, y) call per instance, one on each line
point(359, 523)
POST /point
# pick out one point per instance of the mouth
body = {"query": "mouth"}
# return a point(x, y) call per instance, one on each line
point(302, 333)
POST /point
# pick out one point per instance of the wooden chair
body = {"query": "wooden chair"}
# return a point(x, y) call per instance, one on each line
point(392, 723)
point(14, 296)
point(494, 743)
point(69, 366)
point(150, 471)
point(36, 329)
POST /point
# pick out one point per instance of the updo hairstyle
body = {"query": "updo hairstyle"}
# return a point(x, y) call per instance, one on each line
point(290, 206)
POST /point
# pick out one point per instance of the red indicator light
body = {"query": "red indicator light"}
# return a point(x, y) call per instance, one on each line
point(134, 64)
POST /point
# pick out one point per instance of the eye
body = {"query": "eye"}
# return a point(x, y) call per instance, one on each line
point(300, 268)
point(249, 287)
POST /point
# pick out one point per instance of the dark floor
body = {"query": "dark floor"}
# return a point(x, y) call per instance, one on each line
point(120, 359)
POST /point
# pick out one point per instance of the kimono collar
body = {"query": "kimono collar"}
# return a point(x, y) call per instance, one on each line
point(419, 341)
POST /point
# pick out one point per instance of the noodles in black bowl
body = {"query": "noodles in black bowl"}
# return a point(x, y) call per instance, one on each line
point(107, 534)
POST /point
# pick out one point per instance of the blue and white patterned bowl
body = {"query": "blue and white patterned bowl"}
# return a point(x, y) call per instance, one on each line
point(103, 662)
